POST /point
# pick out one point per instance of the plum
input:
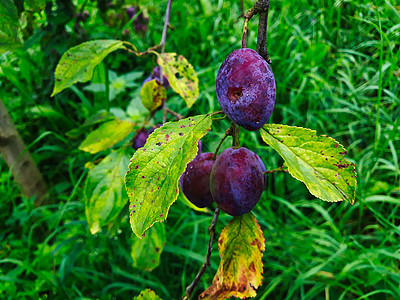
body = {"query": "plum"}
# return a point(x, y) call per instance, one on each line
point(131, 12)
point(156, 75)
point(140, 139)
point(237, 180)
point(246, 88)
point(195, 181)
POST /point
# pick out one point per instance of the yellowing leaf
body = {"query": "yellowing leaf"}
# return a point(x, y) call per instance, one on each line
point(147, 295)
point(239, 274)
point(318, 161)
point(78, 63)
point(106, 136)
point(181, 76)
point(152, 94)
point(154, 171)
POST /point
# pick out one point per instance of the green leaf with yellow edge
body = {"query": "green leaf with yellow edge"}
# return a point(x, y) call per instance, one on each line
point(9, 26)
point(181, 76)
point(147, 294)
point(106, 136)
point(152, 94)
point(317, 161)
point(241, 247)
point(78, 63)
point(104, 190)
point(154, 171)
point(146, 252)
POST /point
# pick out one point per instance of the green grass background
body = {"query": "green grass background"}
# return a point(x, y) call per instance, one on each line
point(337, 70)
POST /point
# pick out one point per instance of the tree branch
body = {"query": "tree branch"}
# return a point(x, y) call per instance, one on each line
point(263, 7)
point(19, 160)
point(211, 230)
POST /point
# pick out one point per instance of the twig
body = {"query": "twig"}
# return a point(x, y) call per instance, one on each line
point(211, 230)
point(262, 30)
point(261, 7)
point(280, 169)
point(235, 135)
point(174, 113)
point(162, 43)
point(150, 50)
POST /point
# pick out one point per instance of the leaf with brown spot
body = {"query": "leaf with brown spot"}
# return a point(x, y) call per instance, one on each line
point(181, 75)
point(241, 247)
point(317, 161)
point(153, 95)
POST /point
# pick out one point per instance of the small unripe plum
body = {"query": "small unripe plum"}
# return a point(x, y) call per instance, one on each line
point(237, 180)
point(195, 181)
point(246, 88)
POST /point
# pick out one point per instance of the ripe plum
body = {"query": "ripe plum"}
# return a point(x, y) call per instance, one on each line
point(246, 88)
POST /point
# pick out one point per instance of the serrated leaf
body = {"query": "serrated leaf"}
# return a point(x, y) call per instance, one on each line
point(181, 76)
point(104, 190)
point(106, 136)
point(154, 171)
point(146, 252)
point(239, 274)
point(147, 295)
point(9, 26)
point(78, 63)
point(152, 94)
point(317, 161)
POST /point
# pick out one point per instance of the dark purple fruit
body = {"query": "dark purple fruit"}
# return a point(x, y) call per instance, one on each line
point(131, 12)
point(199, 146)
point(195, 181)
point(156, 75)
point(237, 181)
point(141, 138)
point(246, 88)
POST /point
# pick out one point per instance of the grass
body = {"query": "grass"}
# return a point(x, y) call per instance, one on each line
point(337, 71)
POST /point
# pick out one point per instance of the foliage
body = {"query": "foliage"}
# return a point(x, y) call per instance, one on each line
point(336, 68)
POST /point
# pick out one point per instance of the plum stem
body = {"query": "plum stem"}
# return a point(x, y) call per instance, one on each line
point(227, 133)
point(244, 37)
point(280, 169)
point(235, 135)
point(211, 231)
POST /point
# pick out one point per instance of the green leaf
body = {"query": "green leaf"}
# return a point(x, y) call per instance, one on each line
point(153, 95)
point(35, 5)
point(78, 63)
point(154, 171)
point(9, 26)
point(318, 161)
point(104, 190)
point(146, 252)
point(181, 76)
point(106, 136)
point(147, 295)
point(239, 274)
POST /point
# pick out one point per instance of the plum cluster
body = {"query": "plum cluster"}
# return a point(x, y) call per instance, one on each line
point(234, 180)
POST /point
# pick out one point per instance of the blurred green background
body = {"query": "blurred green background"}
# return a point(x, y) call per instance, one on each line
point(337, 71)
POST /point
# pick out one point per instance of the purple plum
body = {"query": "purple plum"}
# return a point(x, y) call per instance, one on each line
point(246, 88)
point(156, 75)
point(237, 180)
point(195, 181)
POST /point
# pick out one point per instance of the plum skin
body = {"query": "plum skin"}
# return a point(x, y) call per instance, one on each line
point(195, 181)
point(237, 180)
point(246, 88)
